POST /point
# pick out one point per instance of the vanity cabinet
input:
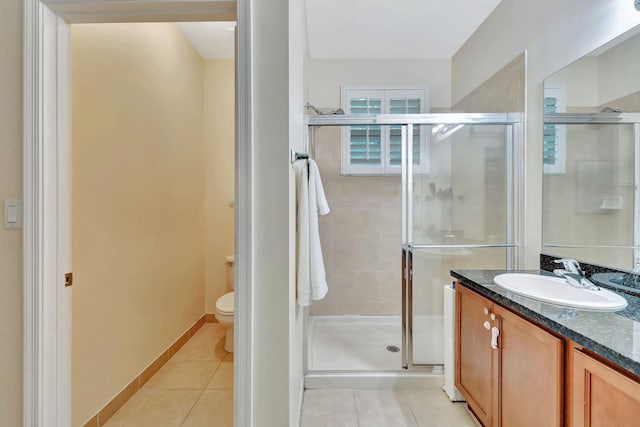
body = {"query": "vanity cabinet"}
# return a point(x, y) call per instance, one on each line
point(476, 366)
point(601, 396)
point(531, 373)
point(509, 370)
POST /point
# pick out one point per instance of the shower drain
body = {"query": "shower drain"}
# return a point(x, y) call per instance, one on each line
point(393, 348)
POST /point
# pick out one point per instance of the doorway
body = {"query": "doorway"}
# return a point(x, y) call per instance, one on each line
point(152, 200)
point(47, 192)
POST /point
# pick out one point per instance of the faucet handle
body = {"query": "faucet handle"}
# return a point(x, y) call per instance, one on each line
point(570, 265)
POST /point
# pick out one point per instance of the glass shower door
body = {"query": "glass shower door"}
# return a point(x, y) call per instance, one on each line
point(460, 214)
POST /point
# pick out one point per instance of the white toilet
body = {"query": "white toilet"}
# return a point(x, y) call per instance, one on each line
point(225, 306)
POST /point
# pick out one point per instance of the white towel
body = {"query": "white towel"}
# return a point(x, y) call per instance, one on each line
point(317, 206)
point(311, 202)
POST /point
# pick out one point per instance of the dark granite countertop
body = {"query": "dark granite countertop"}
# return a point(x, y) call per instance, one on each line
point(615, 336)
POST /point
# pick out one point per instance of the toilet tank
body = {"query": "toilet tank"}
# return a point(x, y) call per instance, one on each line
point(229, 261)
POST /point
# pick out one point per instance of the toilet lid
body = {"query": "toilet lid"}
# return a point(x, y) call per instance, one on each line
point(225, 304)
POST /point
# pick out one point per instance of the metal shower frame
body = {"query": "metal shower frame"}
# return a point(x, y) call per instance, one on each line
point(515, 168)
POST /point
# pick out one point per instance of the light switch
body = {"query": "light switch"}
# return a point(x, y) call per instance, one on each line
point(12, 214)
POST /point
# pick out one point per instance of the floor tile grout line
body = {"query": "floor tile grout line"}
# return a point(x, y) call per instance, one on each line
point(355, 408)
point(413, 414)
point(215, 371)
point(192, 406)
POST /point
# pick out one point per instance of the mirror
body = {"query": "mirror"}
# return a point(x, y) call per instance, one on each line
point(591, 156)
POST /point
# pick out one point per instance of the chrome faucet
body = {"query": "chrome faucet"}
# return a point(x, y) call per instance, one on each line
point(574, 274)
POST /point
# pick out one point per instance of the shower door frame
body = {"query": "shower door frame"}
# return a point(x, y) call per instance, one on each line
point(515, 172)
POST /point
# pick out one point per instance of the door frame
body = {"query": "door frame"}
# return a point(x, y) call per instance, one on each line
point(47, 193)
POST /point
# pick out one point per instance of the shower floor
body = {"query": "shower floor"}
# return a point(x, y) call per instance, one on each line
point(357, 343)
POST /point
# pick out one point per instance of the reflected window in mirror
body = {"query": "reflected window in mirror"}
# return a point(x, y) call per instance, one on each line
point(554, 136)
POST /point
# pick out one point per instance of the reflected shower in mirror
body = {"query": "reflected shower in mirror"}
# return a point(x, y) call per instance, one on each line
point(591, 147)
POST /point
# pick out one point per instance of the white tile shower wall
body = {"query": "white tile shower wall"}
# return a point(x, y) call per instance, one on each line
point(360, 237)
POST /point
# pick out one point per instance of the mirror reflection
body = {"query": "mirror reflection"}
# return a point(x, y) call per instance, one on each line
point(591, 151)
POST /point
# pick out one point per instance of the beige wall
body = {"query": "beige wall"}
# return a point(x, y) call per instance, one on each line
point(618, 71)
point(219, 142)
point(515, 26)
point(10, 187)
point(580, 81)
point(593, 82)
point(504, 92)
point(138, 202)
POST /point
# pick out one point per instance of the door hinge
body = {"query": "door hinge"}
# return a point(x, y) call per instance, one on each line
point(68, 280)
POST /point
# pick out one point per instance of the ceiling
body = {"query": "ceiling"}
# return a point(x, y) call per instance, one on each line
point(212, 40)
point(392, 29)
point(366, 29)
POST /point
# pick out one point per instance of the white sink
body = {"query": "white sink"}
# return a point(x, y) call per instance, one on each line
point(556, 290)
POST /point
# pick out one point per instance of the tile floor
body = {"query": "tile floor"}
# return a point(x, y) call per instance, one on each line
point(193, 389)
point(382, 408)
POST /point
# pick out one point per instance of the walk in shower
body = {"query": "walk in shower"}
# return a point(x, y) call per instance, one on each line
point(449, 199)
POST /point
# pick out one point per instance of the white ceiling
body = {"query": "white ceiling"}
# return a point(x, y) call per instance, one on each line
point(392, 29)
point(366, 29)
point(212, 40)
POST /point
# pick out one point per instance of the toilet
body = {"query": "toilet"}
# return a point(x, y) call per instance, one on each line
point(225, 306)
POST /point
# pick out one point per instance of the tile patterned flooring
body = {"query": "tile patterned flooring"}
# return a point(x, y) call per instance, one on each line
point(193, 389)
point(382, 408)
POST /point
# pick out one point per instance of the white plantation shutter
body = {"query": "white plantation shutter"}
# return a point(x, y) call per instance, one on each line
point(554, 137)
point(406, 102)
point(376, 150)
point(365, 141)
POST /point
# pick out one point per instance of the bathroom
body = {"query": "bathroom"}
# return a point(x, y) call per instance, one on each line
point(153, 207)
point(365, 289)
point(273, 335)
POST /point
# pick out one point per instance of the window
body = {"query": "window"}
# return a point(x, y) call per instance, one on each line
point(554, 136)
point(377, 150)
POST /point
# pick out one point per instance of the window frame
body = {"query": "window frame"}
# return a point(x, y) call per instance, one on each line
point(385, 94)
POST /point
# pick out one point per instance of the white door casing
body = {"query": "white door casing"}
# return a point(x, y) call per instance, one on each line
point(47, 193)
point(47, 219)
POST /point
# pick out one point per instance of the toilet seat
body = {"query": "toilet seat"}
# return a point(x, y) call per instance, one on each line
point(225, 305)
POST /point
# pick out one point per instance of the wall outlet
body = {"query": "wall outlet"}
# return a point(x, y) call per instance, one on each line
point(12, 214)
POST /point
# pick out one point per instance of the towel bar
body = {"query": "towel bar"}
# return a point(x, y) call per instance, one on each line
point(298, 156)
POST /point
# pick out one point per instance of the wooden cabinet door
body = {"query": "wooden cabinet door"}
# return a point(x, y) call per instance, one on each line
point(474, 356)
point(602, 397)
point(531, 376)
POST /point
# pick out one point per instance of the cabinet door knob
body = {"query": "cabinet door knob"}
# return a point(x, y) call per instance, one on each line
point(486, 325)
point(495, 332)
point(493, 316)
point(486, 311)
